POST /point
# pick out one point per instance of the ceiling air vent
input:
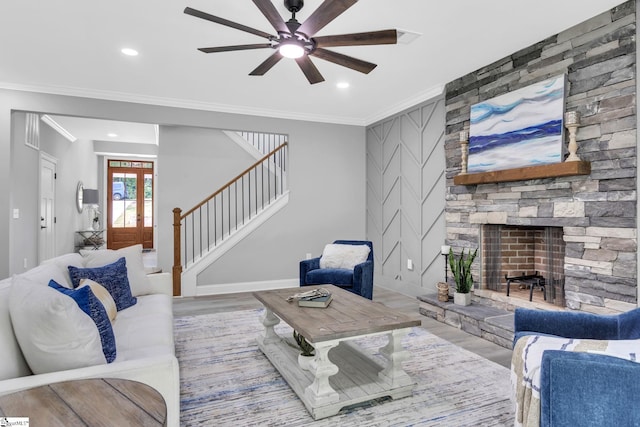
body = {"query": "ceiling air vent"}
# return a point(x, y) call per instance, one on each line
point(406, 36)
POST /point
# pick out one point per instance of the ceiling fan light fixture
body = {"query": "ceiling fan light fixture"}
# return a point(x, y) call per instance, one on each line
point(291, 50)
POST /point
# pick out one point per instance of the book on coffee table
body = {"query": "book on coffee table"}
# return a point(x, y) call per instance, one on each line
point(321, 301)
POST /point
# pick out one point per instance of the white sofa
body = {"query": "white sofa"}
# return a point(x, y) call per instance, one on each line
point(143, 333)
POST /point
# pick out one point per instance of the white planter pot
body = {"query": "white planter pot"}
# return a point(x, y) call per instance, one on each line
point(305, 361)
point(462, 299)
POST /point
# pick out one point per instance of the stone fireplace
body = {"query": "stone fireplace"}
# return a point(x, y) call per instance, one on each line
point(596, 211)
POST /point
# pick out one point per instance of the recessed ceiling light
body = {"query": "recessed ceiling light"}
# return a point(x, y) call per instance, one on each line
point(342, 85)
point(112, 135)
point(129, 52)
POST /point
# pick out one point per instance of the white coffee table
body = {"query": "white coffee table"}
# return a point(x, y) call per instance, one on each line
point(348, 375)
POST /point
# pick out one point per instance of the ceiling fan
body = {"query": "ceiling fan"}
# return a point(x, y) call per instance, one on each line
point(295, 40)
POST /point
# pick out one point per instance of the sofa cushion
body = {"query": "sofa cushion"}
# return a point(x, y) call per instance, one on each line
point(343, 256)
point(91, 305)
point(13, 364)
point(138, 280)
point(61, 263)
point(145, 329)
point(53, 332)
point(112, 276)
point(334, 276)
point(45, 272)
point(103, 295)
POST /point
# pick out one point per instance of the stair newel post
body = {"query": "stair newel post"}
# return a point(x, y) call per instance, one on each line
point(177, 263)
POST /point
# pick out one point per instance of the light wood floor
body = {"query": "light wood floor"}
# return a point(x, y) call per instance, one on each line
point(245, 301)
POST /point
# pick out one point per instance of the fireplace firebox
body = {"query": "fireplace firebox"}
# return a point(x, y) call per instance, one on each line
point(532, 257)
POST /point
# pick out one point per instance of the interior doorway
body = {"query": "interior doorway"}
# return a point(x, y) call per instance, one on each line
point(130, 216)
point(46, 236)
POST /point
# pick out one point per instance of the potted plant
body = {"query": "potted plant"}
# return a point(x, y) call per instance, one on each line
point(307, 354)
point(461, 270)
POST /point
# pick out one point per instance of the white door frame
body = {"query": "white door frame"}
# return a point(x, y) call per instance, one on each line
point(46, 247)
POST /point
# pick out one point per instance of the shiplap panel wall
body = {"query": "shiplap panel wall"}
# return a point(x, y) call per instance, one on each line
point(406, 195)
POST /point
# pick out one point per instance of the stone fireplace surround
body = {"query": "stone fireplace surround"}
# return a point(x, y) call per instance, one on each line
point(597, 212)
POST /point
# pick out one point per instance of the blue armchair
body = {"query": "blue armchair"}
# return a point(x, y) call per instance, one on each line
point(359, 280)
point(585, 389)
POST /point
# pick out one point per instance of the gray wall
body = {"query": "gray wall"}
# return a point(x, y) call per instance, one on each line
point(326, 175)
point(74, 162)
point(406, 197)
point(327, 164)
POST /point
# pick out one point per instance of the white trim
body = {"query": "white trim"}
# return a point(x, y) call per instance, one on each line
point(58, 128)
point(225, 108)
point(181, 103)
point(407, 103)
point(124, 156)
point(244, 144)
point(48, 158)
point(232, 288)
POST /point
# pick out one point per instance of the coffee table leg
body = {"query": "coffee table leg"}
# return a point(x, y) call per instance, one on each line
point(269, 320)
point(393, 374)
point(320, 392)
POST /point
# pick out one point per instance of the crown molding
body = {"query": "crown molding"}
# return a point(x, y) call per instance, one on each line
point(58, 127)
point(179, 103)
point(407, 103)
point(224, 108)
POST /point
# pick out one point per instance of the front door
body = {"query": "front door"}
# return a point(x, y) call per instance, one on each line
point(129, 203)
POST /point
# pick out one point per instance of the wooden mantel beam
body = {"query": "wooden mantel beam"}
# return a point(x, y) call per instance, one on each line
point(523, 174)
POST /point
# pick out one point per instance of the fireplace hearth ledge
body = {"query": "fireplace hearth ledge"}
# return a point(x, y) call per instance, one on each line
point(490, 316)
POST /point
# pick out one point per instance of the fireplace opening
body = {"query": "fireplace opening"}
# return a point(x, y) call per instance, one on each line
point(528, 261)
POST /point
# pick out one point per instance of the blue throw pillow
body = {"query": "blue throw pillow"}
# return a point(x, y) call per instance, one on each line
point(92, 306)
point(112, 276)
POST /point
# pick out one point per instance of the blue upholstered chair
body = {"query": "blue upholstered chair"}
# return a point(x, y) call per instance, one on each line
point(579, 388)
point(359, 280)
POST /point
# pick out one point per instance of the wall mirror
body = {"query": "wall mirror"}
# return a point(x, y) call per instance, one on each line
point(79, 191)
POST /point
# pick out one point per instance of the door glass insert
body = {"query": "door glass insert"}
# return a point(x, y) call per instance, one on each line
point(125, 205)
point(148, 200)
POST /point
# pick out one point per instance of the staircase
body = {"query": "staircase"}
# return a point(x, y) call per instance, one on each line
point(208, 230)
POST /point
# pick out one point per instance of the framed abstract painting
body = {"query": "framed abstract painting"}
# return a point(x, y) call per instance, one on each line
point(518, 129)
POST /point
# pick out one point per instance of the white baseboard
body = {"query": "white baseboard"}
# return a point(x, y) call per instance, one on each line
point(232, 288)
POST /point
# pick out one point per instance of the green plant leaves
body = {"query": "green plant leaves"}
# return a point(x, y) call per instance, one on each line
point(461, 270)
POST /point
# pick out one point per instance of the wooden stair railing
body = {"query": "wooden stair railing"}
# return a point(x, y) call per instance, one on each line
point(260, 185)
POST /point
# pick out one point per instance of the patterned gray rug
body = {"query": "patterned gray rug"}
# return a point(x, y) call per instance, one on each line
point(227, 381)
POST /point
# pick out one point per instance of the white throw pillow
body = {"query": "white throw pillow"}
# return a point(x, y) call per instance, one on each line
point(343, 256)
point(53, 332)
point(103, 296)
point(138, 280)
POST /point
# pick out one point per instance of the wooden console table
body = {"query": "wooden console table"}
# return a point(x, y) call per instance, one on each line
point(89, 402)
point(350, 375)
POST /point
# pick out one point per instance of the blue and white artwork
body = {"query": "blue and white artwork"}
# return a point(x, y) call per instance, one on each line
point(518, 129)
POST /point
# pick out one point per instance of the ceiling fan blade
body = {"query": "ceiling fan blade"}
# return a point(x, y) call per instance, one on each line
point(271, 13)
point(226, 22)
point(309, 69)
point(232, 48)
point(358, 39)
point(344, 60)
point(267, 64)
point(325, 13)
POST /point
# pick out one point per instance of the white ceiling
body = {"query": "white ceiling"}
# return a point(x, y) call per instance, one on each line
point(73, 47)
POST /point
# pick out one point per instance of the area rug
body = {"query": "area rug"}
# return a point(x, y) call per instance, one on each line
point(227, 381)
